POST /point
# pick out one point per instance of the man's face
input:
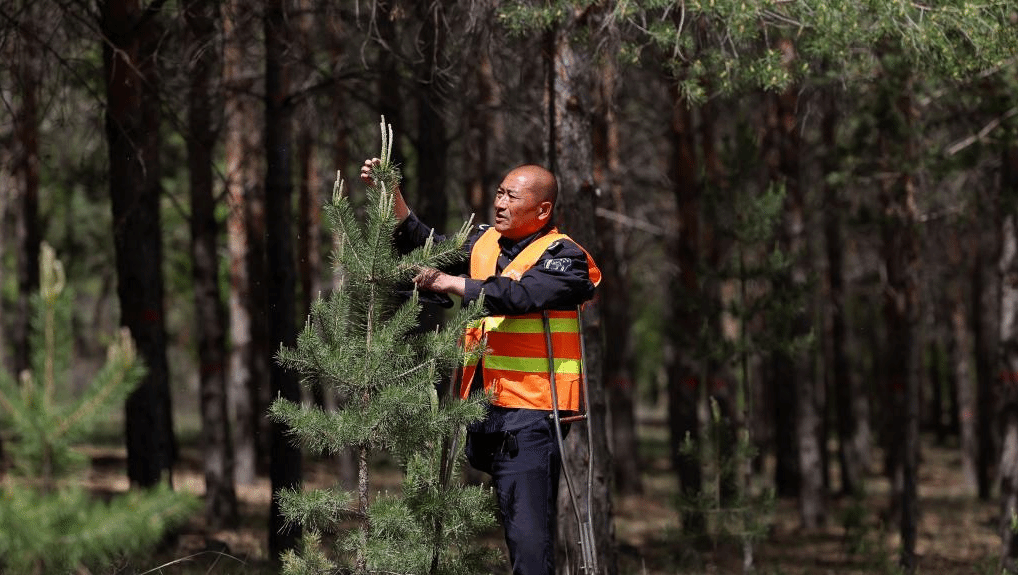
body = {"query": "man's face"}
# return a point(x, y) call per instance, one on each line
point(520, 209)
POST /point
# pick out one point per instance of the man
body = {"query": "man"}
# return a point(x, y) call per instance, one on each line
point(533, 279)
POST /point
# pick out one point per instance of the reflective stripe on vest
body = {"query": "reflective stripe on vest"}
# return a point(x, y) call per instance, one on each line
point(515, 366)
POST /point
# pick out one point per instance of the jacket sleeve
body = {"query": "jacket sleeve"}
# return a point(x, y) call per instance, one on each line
point(558, 281)
point(412, 233)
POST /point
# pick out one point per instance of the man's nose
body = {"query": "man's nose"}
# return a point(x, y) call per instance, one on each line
point(500, 200)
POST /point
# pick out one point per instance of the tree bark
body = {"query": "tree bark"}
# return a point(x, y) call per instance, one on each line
point(220, 496)
point(6, 188)
point(432, 142)
point(1008, 362)
point(346, 461)
point(245, 224)
point(960, 357)
point(285, 458)
point(985, 309)
point(27, 229)
point(133, 137)
point(683, 371)
point(901, 307)
point(850, 398)
point(570, 157)
point(485, 132)
point(309, 219)
point(784, 171)
point(612, 247)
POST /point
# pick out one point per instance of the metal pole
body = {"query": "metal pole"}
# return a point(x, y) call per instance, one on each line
point(587, 547)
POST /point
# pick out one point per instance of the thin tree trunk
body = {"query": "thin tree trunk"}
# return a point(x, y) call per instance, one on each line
point(1008, 362)
point(432, 142)
point(347, 459)
point(570, 157)
point(27, 229)
point(285, 458)
point(792, 239)
point(390, 101)
point(220, 496)
point(902, 310)
point(683, 372)
point(960, 357)
point(485, 133)
point(243, 147)
point(309, 218)
point(612, 247)
point(132, 130)
point(846, 388)
point(6, 191)
point(985, 320)
point(987, 291)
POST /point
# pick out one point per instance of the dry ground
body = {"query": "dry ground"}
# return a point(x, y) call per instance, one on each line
point(956, 535)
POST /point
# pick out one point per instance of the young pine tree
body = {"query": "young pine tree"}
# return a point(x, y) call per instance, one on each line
point(360, 341)
point(48, 524)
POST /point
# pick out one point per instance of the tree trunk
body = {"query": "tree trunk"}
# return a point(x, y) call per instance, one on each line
point(6, 193)
point(346, 461)
point(960, 357)
point(285, 458)
point(26, 169)
point(1008, 362)
point(244, 223)
point(784, 171)
point(985, 321)
point(390, 101)
point(986, 327)
point(846, 388)
point(309, 218)
point(432, 142)
point(570, 157)
point(901, 307)
point(485, 132)
point(612, 248)
point(132, 130)
point(683, 371)
point(220, 496)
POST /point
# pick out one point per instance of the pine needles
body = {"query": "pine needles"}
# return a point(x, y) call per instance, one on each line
point(360, 341)
point(41, 509)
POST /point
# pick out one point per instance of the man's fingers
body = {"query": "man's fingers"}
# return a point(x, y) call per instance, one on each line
point(366, 168)
point(426, 277)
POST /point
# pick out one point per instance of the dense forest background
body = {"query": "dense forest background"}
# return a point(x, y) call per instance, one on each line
point(805, 213)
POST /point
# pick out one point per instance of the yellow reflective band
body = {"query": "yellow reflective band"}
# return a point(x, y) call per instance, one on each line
point(504, 324)
point(531, 364)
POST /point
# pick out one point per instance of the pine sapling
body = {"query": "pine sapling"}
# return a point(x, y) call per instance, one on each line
point(42, 508)
point(360, 341)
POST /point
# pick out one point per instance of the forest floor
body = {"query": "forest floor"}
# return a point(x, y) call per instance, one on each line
point(957, 533)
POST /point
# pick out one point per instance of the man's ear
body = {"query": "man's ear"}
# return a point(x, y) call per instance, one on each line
point(545, 210)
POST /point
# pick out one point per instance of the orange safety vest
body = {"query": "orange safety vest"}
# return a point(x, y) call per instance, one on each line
point(515, 365)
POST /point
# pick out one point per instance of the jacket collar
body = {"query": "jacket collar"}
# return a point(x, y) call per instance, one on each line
point(512, 248)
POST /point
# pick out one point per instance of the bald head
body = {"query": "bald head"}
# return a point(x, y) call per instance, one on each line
point(525, 200)
point(542, 183)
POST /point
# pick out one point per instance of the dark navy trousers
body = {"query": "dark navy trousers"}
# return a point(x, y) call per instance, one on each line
point(524, 466)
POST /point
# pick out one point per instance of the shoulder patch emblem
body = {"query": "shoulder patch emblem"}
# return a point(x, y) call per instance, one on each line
point(558, 264)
